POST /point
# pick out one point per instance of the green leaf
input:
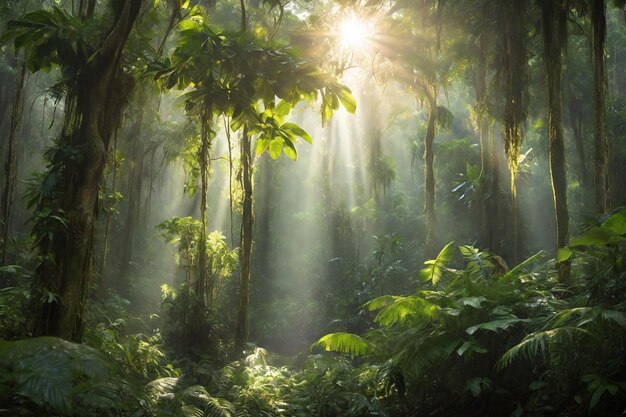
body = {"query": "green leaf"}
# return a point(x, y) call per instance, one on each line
point(297, 130)
point(261, 145)
point(615, 316)
point(291, 153)
point(616, 223)
point(405, 307)
point(563, 254)
point(347, 99)
point(276, 147)
point(380, 302)
point(434, 269)
point(597, 394)
point(9, 269)
point(597, 236)
point(472, 346)
point(495, 325)
point(344, 343)
point(282, 108)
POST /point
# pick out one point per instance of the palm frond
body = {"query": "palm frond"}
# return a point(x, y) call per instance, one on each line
point(405, 307)
point(535, 343)
point(344, 343)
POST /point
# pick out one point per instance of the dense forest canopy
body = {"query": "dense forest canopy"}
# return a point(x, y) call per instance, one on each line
point(313, 207)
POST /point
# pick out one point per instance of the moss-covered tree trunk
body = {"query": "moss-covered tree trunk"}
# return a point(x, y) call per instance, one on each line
point(247, 223)
point(601, 142)
point(93, 112)
point(512, 71)
point(554, 32)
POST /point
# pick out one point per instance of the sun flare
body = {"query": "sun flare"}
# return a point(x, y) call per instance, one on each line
point(353, 32)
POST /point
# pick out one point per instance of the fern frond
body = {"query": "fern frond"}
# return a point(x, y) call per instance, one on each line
point(536, 343)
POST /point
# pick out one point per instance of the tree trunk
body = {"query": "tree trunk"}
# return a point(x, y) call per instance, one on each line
point(601, 142)
point(554, 29)
point(247, 222)
point(514, 72)
point(94, 111)
point(202, 286)
point(137, 159)
point(10, 167)
point(576, 123)
point(429, 177)
point(107, 226)
point(482, 123)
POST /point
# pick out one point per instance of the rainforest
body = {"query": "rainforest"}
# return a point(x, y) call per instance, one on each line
point(313, 208)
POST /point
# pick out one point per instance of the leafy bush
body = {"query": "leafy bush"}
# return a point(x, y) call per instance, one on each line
point(49, 376)
point(502, 341)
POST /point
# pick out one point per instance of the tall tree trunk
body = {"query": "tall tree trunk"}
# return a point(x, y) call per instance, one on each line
point(429, 175)
point(94, 110)
point(107, 225)
point(554, 31)
point(513, 72)
point(10, 167)
point(576, 123)
point(247, 223)
point(135, 185)
point(601, 142)
point(202, 287)
point(482, 124)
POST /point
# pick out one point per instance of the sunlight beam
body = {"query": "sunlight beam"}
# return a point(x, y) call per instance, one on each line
point(353, 32)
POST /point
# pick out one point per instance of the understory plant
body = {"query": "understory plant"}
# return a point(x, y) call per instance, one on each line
point(476, 335)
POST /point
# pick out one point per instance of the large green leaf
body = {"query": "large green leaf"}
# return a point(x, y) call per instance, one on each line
point(405, 307)
point(344, 343)
point(496, 325)
point(435, 267)
point(597, 236)
point(616, 223)
point(347, 99)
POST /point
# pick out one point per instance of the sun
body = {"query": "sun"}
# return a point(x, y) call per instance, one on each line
point(353, 32)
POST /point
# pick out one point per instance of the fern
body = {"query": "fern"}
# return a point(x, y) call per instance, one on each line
point(536, 343)
point(63, 376)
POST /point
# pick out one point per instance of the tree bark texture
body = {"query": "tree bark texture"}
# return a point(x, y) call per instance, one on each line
point(554, 30)
point(429, 175)
point(135, 185)
point(93, 112)
point(247, 223)
point(601, 142)
point(10, 167)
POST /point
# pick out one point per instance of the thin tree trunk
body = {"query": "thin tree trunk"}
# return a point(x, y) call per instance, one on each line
point(429, 177)
point(482, 123)
point(555, 19)
point(247, 223)
point(201, 279)
point(601, 142)
point(107, 226)
point(10, 167)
